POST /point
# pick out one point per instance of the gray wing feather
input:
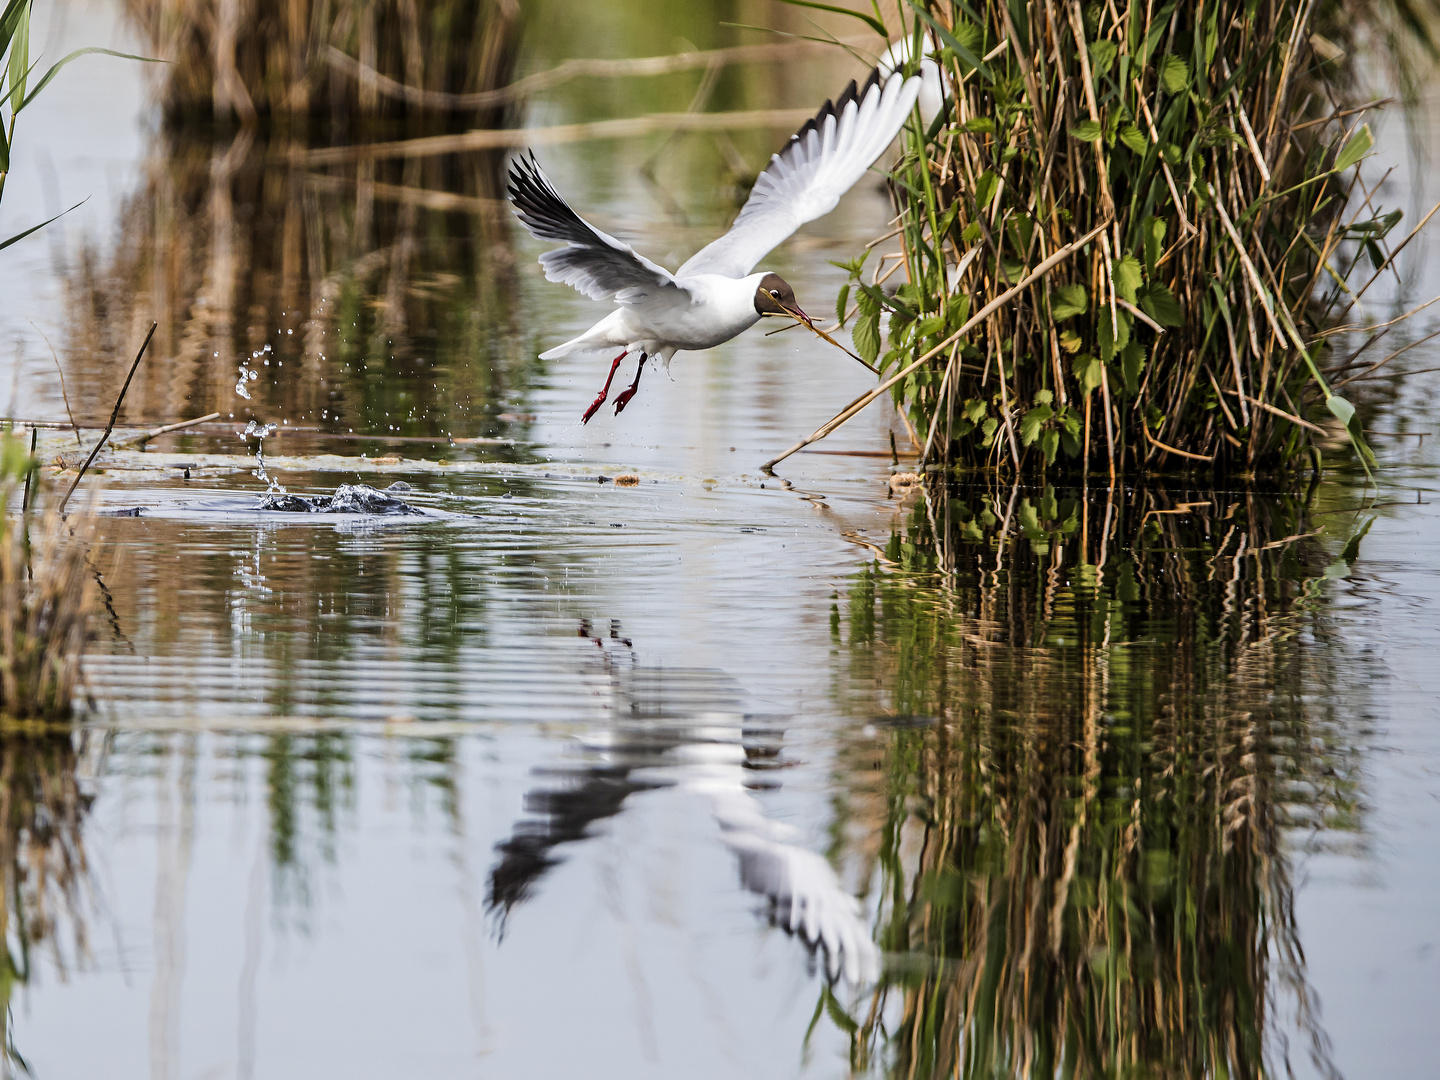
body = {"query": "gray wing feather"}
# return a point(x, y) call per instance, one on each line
point(591, 261)
point(805, 180)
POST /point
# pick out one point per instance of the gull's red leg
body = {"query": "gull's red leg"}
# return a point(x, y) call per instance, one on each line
point(629, 392)
point(604, 390)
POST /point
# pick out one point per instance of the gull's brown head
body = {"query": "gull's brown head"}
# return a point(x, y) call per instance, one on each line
point(775, 297)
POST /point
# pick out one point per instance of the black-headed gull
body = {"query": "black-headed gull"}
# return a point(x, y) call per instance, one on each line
point(715, 295)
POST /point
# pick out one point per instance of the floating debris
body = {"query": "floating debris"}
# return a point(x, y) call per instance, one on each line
point(348, 499)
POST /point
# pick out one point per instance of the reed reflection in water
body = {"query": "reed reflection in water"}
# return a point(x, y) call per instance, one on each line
point(1110, 722)
point(376, 297)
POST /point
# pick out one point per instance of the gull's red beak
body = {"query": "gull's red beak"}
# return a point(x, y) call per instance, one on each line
point(795, 312)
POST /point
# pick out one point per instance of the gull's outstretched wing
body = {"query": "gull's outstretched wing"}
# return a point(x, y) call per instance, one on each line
point(805, 180)
point(807, 898)
point(594, 262)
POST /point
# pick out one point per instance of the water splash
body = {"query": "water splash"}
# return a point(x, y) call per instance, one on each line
point(249, 374)
point(258, 431)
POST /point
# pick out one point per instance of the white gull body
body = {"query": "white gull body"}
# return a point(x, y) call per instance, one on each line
point(715, 295)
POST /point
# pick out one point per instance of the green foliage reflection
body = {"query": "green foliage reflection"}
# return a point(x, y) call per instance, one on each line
point(1081, 848)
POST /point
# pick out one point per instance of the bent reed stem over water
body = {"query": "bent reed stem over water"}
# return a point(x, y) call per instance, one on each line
point(1209, 152)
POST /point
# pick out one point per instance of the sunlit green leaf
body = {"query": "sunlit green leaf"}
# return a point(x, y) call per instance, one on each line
point(1133, 138)
point(1174, 73)
point(1160, 304)
point(1359, 145)
point(1086, 130)
point(1125, 272)
point(1068, 301)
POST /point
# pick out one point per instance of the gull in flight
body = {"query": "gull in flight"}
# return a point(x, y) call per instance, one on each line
point(715, 295)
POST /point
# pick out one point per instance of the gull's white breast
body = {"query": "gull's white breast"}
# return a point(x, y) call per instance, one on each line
point(719, 308)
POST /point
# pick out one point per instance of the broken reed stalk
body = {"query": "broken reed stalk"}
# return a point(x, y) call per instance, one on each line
point(114, 415)
point(1000, 301)
point(1204, 137)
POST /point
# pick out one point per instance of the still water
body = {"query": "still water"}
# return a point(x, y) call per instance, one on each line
point(1136, 780)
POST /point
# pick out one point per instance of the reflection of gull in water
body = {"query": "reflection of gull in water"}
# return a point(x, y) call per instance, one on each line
point(659, 733)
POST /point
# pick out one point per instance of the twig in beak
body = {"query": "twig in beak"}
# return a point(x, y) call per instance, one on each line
point(804, 320)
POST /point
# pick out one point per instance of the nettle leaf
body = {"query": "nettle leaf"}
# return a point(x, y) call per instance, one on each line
point(974, 410)
point(970, 233)
point(1070, 341)
point(1160, 304)
point(1174, 73)
point(988, 429)
point(866, 331)
point(1102, 56)
point(1087, 130)
point(1049, 444)
point(979, 125)
point(1068, 301)
point(1134, 138)
point(1125, 272)
point(1043, 397)
point(841, 303)
point(1032, 422)
point(1088, 372)
point(1114, 334)
point(1132, 363)
point(1359, 145)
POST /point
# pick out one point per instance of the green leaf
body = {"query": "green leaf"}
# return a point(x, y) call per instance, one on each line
point(869, 20)
point(1125, 272)
point(19, 54)
point(1152, 234)
point(1343, 410)
point(1132, 363)
point(988, 429)
point(1068, 301)
point(1359, 145)
point(970, 233)
point(1132, 137)
point(55, 68)
point(1160, 304)
point(866, 331)
point(1086, 130)
point(841, 303)
point(1174, 73)
point(979, 125)
point(34, 228)
point(1346, 414)
point(1049, 444)
point(1087, 371)
point(974, 410)
point(837, 1014)
point(1043, 397)
point(1114, 334)
point(1070, 341)
point(985, 188)
point(1031, 423)
point(1102, 56)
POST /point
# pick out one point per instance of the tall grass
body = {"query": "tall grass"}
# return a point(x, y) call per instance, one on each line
point(1214, 147)
point(1079, 863)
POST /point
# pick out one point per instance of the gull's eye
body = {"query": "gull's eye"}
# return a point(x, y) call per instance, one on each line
point(775, 293)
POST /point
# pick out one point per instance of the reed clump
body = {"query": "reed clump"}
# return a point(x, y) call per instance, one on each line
point(1211, 151)
point(347, 60)
point(47, 596)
